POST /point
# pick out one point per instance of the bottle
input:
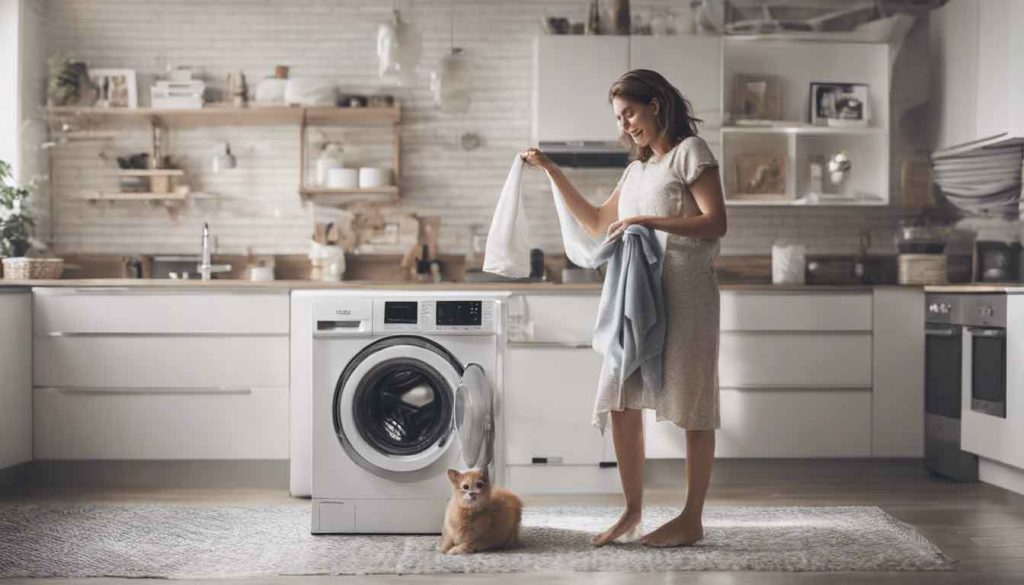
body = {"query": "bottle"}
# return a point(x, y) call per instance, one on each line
point(329, 158)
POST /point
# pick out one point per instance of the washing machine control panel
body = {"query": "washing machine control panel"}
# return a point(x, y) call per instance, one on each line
point(436, 315)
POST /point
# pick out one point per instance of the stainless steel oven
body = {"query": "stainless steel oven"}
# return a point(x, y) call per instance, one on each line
point(944, 349)
point(984, 347)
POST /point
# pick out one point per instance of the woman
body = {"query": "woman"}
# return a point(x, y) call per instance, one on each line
point(673, 186)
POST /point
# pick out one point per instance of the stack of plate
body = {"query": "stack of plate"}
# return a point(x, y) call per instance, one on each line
point(982, 180)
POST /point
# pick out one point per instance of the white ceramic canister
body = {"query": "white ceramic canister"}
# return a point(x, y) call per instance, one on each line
point(373, 177)
point(789, 263)
point(343, 178)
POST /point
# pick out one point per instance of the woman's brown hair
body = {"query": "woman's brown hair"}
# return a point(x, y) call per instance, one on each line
point(675, 114)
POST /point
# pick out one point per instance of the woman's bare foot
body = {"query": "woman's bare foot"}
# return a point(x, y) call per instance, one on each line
point(683, 530)
point(628, 522)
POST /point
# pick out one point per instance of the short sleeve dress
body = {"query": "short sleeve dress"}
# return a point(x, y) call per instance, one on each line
point(689, 394)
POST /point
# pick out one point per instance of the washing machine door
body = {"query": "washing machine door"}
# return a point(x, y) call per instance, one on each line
point(394, 405)
point(474, 417)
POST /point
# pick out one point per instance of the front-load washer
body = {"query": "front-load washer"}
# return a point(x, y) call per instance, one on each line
point(405, 386)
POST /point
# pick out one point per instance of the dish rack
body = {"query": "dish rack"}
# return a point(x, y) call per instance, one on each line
point(32, 268)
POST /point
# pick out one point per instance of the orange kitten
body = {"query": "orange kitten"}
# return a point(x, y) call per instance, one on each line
point(479, 517)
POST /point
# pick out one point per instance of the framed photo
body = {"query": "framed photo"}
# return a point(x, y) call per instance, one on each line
point(760, 177)
point(840, 104)
point(756, 97)
point(116, 87)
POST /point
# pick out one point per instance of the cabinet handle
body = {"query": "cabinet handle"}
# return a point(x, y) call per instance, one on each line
point(90, 391)
point(153, 334)
point(551, 344)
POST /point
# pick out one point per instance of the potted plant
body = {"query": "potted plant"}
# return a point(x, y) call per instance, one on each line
point(16, 221)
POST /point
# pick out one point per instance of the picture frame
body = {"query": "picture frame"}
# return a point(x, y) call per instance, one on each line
point(756, 98)
point(760, 177)
point(117, 88)
point(843, 105)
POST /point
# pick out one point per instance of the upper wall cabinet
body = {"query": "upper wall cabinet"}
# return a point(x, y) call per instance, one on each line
point(573, 74)
point(754, 95)
point(979, 75)
point(694, 65)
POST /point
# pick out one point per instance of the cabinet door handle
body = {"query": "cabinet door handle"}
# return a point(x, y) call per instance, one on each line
point(551, 344)
point(90, 391)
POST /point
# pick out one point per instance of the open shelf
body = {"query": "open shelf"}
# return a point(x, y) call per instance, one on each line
point(247, 116)
point(805, 130)
point(337, 197)
point(179, 194)
point(151, 173)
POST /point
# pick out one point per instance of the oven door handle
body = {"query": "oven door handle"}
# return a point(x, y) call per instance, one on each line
point(941, 331)
point(986, 332)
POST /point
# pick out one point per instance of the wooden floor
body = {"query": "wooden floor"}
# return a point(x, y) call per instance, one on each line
point(979, 525)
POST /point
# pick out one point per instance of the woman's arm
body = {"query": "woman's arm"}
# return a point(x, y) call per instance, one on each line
point(711, 224)
point(595, 218)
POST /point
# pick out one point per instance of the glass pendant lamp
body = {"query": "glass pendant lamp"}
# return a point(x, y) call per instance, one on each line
point(452, 83)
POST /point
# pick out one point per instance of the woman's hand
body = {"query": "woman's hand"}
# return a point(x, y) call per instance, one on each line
point(618, 226)
point(536, 158)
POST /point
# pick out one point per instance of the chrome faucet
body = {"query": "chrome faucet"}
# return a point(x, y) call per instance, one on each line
point(206, 268)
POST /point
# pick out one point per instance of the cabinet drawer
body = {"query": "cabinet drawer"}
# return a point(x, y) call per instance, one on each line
point(795, 359)
point(567, 319)
point(120, 424)
point(795, 311)
point(778, 423)
point(161, 362)
point(98, 311)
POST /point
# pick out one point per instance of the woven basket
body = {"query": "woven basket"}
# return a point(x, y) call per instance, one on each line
point(32, 268)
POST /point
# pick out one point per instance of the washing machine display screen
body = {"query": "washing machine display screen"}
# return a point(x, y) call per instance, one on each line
point(400, 312)
point(460, 313)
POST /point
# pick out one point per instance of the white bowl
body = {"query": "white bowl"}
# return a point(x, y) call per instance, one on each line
point(373, 177)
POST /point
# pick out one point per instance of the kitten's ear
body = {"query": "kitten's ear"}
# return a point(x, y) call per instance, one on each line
point(486, 475)
point(453, 476)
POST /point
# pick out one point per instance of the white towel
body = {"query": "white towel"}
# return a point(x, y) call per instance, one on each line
point(508, 242)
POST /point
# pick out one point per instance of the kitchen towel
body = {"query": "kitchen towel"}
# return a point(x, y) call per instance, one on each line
point(630, 330)
point(507, 251)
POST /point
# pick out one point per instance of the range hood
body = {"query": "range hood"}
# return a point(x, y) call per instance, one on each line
point(586, 154)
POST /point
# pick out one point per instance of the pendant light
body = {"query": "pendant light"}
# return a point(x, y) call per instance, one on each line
point(399, 48)
point(452, 83)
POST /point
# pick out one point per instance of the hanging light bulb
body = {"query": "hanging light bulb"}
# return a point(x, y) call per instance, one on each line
point(399, 48)
point(452, 83)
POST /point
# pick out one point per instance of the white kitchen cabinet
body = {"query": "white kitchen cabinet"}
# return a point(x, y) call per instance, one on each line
point(694, 65)
point(549, 401)
point(132, 312)
point(1000, 68)
point(794, 359)
point(161, 361)
point(118, 423)
point(976, 46)
point(573, 75)
point(15, 377)
point(551, 375)
point(795, 378)
point(159, 374)
point(897, 405)
point(795, 311)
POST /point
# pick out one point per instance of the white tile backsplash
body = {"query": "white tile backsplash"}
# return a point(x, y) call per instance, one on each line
point(257, 205)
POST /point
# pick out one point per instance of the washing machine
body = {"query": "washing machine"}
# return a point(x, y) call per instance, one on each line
point(405, 386)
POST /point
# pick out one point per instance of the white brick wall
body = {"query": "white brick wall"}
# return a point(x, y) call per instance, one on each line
point(335, 39)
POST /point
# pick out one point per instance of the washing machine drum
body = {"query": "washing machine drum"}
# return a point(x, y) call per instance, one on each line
point(402, 401)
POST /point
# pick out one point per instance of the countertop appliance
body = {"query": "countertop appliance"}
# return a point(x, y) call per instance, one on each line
point(404, 388)
point(944, 348)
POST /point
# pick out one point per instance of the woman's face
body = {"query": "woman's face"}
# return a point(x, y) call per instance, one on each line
point(638, 120)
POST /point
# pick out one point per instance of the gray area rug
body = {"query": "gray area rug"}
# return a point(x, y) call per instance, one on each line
point(193, 542)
